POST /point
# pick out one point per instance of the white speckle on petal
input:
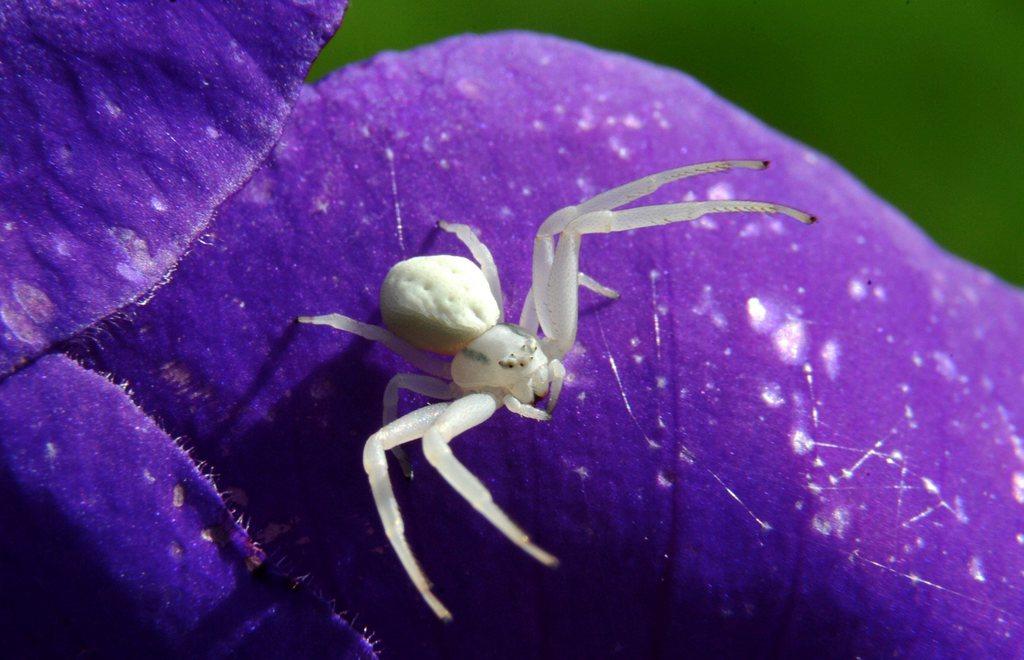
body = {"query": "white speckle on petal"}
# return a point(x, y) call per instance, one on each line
point(34, 301)
point(21, 326)
point(801, 442)
point(758, 314)
point(1018, 446)
point(840, 521)
point(140, 263)
point(620, 150)
point(771, 394)
point(750, 229)
point(958, 511)
point(708, 307)
point(857, 289)
point(586, 121)
point(944, 365)
point(113, 109)
point(720, 191)
point(830, 356)
point(1018, 487)
point(908, 414)
point(835, 523)
point(212, 133)
point(157, 204)
point(468, 88)
point(790, 342)
point(1020, 538)
point(975, 568)
point(51, 451)
point(632, 121)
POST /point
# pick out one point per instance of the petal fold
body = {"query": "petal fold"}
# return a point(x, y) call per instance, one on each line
point(124, 125)
point(115, 544)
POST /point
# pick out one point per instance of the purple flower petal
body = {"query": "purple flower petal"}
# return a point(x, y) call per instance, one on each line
point(782, 439)
point(114, 544)
point(124, 124)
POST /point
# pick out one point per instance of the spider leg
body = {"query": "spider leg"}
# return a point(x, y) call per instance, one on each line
point(525, 409)
point(559, 305)
point(483, 257)
point(528, 317)
point(409, 427)
point(544, 243)
point(557, 370)
point(634, 190)
point(414, 356)
point(607, 222)
point(588, 282)
point(435, 388)
point(460, 416)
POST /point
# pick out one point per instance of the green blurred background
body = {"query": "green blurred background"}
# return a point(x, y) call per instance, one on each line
point(923, 100)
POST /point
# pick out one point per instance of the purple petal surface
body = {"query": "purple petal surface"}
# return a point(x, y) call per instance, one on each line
point(114, 544)
point(781, 439)
point(123, 125)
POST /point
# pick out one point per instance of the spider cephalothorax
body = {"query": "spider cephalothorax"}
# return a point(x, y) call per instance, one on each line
point(447, 305)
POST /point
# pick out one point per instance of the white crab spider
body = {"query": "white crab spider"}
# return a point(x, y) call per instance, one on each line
point(447, 305)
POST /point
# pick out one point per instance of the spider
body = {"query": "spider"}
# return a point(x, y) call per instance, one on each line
point(448, 305)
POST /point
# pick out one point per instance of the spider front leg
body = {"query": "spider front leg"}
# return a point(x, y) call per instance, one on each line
point(407, 428)
point(589, 283)
point(528, 319)
point(435, 388)
point(557, 370)
point(560, 296)
point(526, 410)
point(544, 243)
point(459, 417)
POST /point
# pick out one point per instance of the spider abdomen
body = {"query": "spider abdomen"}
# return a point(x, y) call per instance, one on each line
point(438, 303)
